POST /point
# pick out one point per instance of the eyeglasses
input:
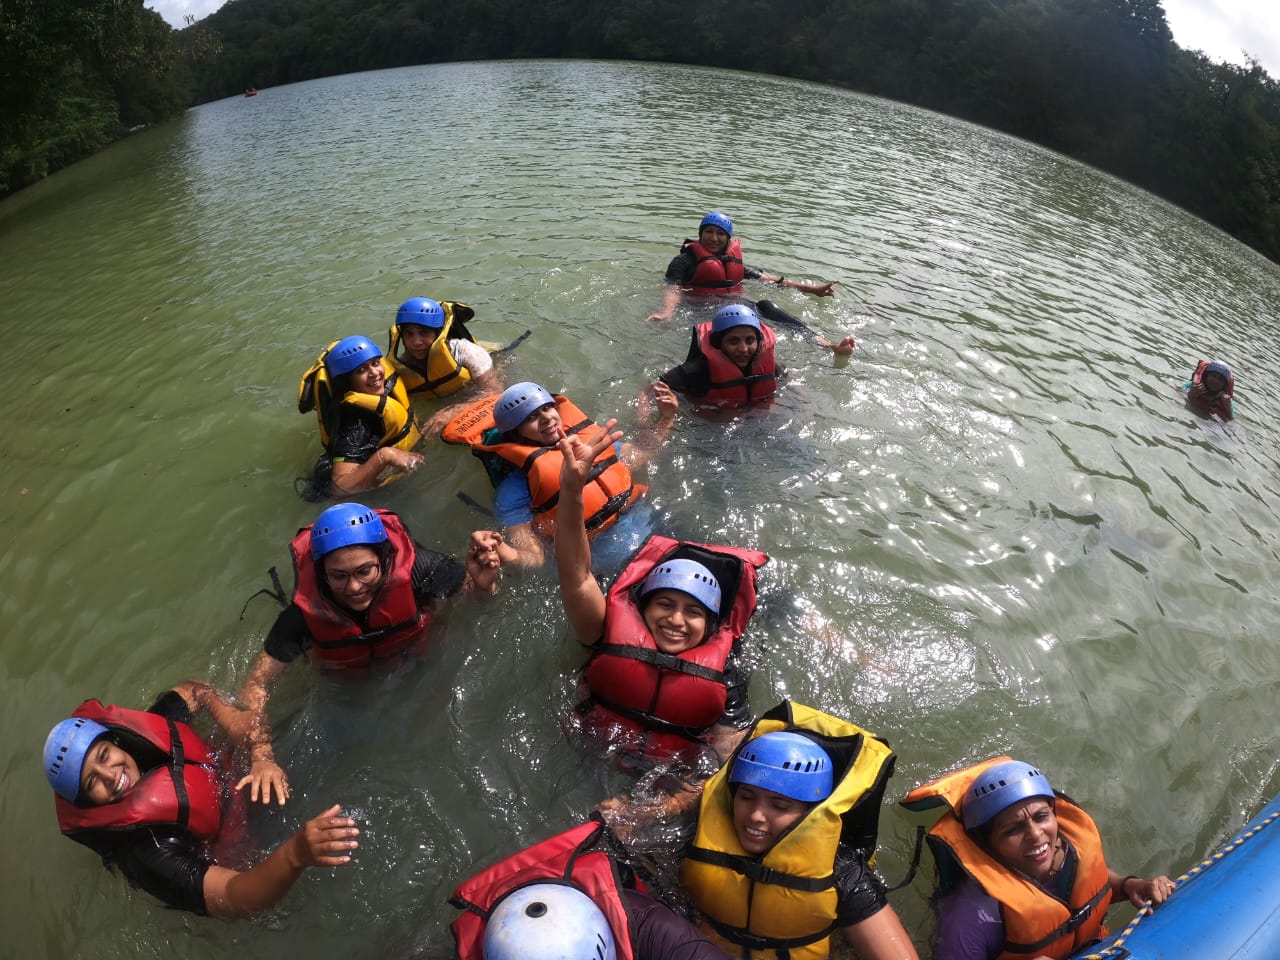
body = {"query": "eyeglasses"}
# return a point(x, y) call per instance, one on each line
point(362, 574)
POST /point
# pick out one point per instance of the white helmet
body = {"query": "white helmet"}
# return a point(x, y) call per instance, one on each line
point(548, 921)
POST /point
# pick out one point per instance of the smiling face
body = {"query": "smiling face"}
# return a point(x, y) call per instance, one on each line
point(417, 340)
point(676, 621)
point(760, 816)
point(108, 773)
point(1214, 382)
point(543, 427)
point(740, 345)
point(354, 575)
point(714, 239)
point(1024, 838)
point(369, 377)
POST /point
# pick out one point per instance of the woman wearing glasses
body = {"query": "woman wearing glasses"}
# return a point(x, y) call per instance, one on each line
point(364, 594)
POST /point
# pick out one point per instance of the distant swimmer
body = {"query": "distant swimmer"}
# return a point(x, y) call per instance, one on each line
point(1020, 867)
point(145, 792)
point(712, 267)
point(1210, 389)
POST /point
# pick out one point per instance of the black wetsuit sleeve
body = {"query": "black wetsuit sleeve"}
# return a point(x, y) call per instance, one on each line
point(358, 437)
point(751, 273)
point(859, 892)
point(692, 378)
point(288, 637)
point(171, 706)
point(164, 863)
point(737, 712)
point(680, 269)
point(659, 933)
point(435, 575)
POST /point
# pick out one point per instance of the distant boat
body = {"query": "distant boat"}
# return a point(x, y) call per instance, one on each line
point(250, 91)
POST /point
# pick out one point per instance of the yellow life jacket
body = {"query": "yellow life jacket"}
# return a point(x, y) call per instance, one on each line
point(783, 903)
point(1035, 922)
point(444, 374)
point(399, 424)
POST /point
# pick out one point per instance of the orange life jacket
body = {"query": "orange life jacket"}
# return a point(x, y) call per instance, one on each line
point(1035, 922)
point(608, 492)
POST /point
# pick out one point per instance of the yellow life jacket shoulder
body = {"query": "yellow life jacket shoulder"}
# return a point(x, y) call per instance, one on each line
point(444, 374)
point(399, 424)
point(1035, 922)
point(784, 903)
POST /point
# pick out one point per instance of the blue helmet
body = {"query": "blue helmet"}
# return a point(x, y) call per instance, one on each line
point(548, 921)
point(349, 353)
point(345, 525)
point(717, 219)
point(734, 315)
point(687, 576)
point(1218, 367)
point(1000, 787)
point(518, 403)
point(64, 752)
point(421, 310)
point(786, 763)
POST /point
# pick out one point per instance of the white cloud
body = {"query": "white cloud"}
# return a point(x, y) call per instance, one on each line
point(1227, 29)
point(175, 10)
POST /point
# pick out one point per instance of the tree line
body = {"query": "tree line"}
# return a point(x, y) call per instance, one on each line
point(1098, 80)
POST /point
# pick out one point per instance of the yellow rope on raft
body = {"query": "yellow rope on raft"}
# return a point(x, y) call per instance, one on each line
point(1117, 948)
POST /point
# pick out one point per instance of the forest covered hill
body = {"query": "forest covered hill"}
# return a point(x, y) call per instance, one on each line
point(1098, 80)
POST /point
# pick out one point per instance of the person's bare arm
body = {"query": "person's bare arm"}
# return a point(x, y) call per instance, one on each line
point(349, 478)
point(584, 602)
point(324, 841)
point(265, 775)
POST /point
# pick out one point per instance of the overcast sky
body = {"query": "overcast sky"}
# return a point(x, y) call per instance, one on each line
point(1221, 28)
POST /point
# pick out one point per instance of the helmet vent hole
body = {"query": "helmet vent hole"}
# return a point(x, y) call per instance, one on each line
point(536, 909)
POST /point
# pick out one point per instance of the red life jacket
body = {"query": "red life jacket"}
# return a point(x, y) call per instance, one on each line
point(729, 385)
point(185, 791)
point(575, 857)
point(1220, 402)
point(715, 273)
point(657, 704)
point(391, 624)
point(608, 493)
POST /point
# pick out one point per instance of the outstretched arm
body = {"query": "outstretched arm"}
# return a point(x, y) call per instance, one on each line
point(265, 775)
point(579, 592)
point(654, 435)
point(771, 311)
point(486, 553)
point(824, 288)
point(325, 841)
point(881, 937)
point(670, 300)
point(1137, 890)
point(349, 478)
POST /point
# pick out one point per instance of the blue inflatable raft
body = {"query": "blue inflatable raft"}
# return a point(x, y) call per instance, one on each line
point(1225, 908)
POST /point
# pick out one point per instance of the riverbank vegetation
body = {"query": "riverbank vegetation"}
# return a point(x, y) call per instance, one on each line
point(75, 77)
point(1098, 80)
